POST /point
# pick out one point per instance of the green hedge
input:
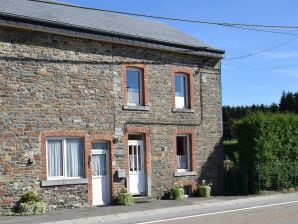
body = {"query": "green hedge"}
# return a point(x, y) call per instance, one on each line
point(267, 138)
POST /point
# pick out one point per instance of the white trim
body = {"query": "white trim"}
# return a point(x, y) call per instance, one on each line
point(105, 152)
point(187, 153)
point(64, 170)
point(186, 87)
point(141, 80)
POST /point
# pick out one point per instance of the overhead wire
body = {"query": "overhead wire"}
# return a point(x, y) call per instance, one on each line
point(253, 27)
point(277, 29)
point(262, 51)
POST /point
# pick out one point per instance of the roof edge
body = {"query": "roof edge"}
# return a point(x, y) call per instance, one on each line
point(64, 29)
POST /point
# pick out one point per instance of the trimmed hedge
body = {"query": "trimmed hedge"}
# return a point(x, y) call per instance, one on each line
point(267, 138)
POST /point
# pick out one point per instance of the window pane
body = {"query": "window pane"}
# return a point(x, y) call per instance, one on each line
point(74, 158)
point(55, 158)
point(100, 145)
point(181, 96)
point(135, 159)
point(139, 158)
point(182, 152)
point(99, 165)
point(180, 85)
point(131, 158)
point(133, 80)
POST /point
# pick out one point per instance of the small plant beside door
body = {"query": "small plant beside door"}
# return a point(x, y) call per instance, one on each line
point(124, 198)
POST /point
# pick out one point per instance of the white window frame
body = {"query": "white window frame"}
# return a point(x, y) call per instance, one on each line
point(141, 77)
point(188, 152)
point(63, 139)
point(95, 151)
point(186, 87)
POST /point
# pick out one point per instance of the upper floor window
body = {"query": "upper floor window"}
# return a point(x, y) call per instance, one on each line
point(65, 158)
point(134, 86)
point(181, 91)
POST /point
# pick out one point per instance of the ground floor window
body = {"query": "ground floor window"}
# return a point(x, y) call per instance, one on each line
point(65, 158)
point(183, 154)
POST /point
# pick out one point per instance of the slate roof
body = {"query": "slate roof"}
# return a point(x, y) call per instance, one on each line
point(62, 14)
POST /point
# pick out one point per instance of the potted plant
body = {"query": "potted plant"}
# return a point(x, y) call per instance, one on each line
point(204, 189)
point(177, 192)
point(124, 198)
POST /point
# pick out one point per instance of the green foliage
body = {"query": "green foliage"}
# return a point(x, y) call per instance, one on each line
point(30, 204)
point(288, 103)
point(177, 193)
point(32, 208)
point(29, 197)
point(125, 198)
point(204, 190)
point(231, 150)
point(267, 138)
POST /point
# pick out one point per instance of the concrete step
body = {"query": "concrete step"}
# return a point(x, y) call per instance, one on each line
point(142, 199)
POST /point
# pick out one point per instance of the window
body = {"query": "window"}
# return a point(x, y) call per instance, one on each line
point(183, 155)
point(65, 158)
point(99, 158)
point(181, 91)
point(134, 86)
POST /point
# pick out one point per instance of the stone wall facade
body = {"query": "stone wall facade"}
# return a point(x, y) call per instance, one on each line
point(53, 84)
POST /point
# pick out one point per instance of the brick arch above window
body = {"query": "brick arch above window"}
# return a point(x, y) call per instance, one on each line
point(190, 84)
point(145, 94)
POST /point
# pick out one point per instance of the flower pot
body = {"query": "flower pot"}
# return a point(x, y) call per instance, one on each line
point(204, 191)
point(177, 193)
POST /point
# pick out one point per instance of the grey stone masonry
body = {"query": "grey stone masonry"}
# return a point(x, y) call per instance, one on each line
point(54, 83)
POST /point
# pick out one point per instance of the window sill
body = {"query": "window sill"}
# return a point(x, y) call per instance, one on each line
point(47, 183)
point(139, 108)
point(178, 110)
point(185, 173)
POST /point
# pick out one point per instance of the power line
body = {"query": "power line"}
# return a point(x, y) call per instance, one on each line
point(254, 27)
point(262, 51)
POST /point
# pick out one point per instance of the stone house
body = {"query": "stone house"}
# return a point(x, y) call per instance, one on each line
point(92, 101)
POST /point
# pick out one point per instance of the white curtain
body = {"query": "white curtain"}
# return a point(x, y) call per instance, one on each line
point(99, 165)
point(75, 158)
point(55, 158)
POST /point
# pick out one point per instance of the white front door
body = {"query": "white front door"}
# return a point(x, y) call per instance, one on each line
point(136, 184)
point(100, 173)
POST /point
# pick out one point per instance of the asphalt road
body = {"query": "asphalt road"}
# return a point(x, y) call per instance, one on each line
point(273, 209)
point(279, 214)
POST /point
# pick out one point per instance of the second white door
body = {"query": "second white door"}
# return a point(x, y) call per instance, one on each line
point(100, 173)
point(136, 183)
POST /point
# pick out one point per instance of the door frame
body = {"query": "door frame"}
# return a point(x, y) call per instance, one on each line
point(112, 168)
point(141, 173)
point(147, 156)
point(103, 152)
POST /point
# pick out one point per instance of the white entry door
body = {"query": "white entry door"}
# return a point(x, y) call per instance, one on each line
point(100, 173)
point(136, 184)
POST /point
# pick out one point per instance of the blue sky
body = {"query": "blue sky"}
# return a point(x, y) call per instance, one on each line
point(257, 79)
